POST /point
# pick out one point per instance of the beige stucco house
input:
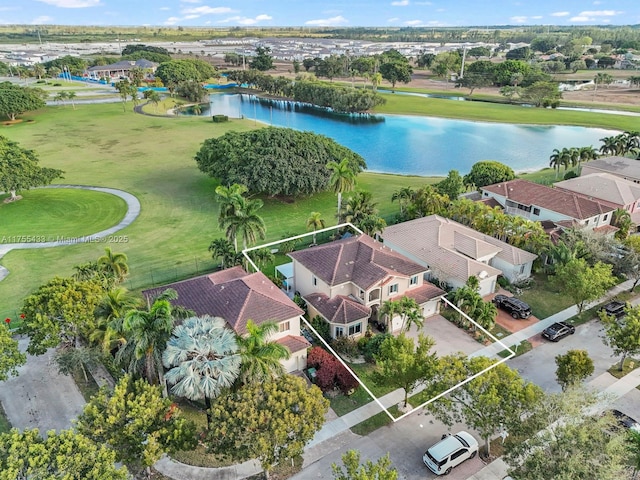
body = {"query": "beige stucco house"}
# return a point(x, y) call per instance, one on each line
point(452, 252)
point(238, 296)
point(348, 280)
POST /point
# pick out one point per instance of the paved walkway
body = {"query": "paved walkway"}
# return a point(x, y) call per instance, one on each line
point(133, 210)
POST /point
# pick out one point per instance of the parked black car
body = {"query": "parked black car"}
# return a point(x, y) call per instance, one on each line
point(558, 331)
point(516, 308)
point(626, 421)
point(614, 308)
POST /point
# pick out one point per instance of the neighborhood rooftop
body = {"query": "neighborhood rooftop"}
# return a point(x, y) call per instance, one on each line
point(603, 186)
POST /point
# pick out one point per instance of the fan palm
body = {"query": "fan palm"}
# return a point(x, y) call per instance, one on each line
point(114, 264)
point(203, 359)
point(244, 221)
point(343, 179)
point(315, 221)
point(261, 357)
point(147, 332)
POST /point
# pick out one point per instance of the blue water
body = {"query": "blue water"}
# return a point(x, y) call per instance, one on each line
point(412, 145)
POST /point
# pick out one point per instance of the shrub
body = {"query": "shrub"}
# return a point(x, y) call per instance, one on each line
point(503, 282)
point(372, 347)
point(57, 84)
point(220, 118)
point(570, 174)
point(329, 371)
point(317, 357)
point(346, 382)
point(322, 327)
point(363, 342)
point(345, 346)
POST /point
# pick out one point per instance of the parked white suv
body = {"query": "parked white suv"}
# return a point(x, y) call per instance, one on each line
point(450, 452)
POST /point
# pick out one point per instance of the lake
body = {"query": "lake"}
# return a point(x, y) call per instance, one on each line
point(413, 145)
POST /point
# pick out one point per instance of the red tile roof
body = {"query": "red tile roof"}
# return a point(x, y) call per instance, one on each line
point(423, 293)
point(294, 343)
point(358, 259)
point(235, 295)
point(556, 200)
point(339, 309)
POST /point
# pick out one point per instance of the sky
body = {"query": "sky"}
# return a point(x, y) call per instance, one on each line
point(313, 13)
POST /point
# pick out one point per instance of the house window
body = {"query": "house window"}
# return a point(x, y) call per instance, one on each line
point(314, 280)
point(521, 269)
point(604, 219)
point(393, 288)
point(414, 280)
point(361, 294)
point(339, 332)
point(536, 211)
point(355, 329)
point(284, 326)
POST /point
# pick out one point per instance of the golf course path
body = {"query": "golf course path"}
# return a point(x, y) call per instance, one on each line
point(133, 210)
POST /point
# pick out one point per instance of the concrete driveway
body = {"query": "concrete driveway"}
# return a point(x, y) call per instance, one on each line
point(40, 397)
point(449, 338)
point(405, 441)
point(539, 366)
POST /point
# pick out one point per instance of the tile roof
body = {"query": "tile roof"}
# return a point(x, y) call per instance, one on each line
point(124, 65)
point(235, 295)
point(603, 186)
point(339, 309)
point(620, 166)
point(554, 199)
point(432, 240)
point(359, 259)
point(294, 343)
point(424, 293)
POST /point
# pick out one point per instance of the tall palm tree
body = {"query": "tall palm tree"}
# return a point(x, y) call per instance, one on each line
point(343, 179)
point(315, 221)
point(260, 357)
point(359, 206)
point(411, 313)
point(586, 154)
point(229, 199)
point(154, 97)
point(390, 308)
point(402, 195)
point(109, 332)
point(61, 97)
point(39, 70)
point(147, 332)
point(222, 248)
point(202, 355)
point(372, 224)
point(114, 264)
point(262, 256)
point(245, 221)
point(71, 95)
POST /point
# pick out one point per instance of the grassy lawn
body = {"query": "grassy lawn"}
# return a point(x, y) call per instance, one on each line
point(493, 112)
point(373, 423)
point(630, 364)
point(48, 213)
point(520, 349)
point(499, 331)
point(544, 298)
point(5, 426)
point(151, 158)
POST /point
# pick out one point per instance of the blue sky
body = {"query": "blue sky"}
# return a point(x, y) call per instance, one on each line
point(274, 13)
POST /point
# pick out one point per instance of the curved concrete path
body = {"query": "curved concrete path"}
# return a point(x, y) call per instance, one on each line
point(133, 210)
point(181, 471)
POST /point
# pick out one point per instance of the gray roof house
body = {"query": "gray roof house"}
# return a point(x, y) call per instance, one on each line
point(622, 167)
point(120, 69)
point(238, 296)
point(453, 252)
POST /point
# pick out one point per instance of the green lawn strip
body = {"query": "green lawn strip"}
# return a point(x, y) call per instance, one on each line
point(499, 331)
point(5, 426)
point(544, 298)
point(630, 364)
point(493, 112)
point(54, 214)
point(373, 423)
point(364, 371)
point(520, 349)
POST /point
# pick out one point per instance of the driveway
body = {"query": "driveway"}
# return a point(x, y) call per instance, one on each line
point(405, 441)
point(539, 366)
point(505, 320)
point(449, 338)
point(40, 397)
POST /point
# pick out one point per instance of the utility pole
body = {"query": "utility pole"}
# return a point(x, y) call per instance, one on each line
point(464, 56)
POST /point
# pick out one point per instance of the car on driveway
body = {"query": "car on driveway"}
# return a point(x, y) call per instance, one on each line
point(515, 307)
point(450, 452)
point(557, 331)
point(626, 421)
point(615, 308)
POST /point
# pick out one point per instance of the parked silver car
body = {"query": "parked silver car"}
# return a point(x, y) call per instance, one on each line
point(450, 452)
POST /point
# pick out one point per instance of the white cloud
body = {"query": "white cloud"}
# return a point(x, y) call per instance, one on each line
point(72, 3)
point(580, 18)
point(414, 23)
point(246, 21)
point(519, 19)
point(599, 13)
point(204, 10)
point(190, 17)
point(41, 19)
point(172, 20)
point(165, 8)
point(328, 22)
point(560, 14)
point(536, 17)
point(400, 3)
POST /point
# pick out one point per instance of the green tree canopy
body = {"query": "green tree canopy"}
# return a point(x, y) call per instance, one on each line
point(271, 421)
point(353, 470)
point(573, 367)
point(10, 356)
point(623, 336)
point(263, 61)
point(395, 67)
point(136, 422)
point(60, 311)
point(275, 161)
point(63, 455)
point(583, 283)
point(175, 71)
point(19, 169)
point(15, 99)
point(488, 172)
point(75, 65)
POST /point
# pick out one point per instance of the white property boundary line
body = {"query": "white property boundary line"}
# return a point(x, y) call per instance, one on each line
point(344, 364)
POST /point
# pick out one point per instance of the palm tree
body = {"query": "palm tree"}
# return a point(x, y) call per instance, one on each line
point(390, 308)
point(154, 97)
point(609, 146)
point(114, 264)
point(229, 198)
point(222, 248)
point(586, 154)
point(343, 179)
point(315, 221)
point(485, 315)
point(622, 220)
point(147, 332)
point(411, 313)
point(202, 355)
point(196, 109)
point(61, 97)
point(372, 224)
point(245, 221)
point(71, 95)
point(402, 195)
point(109, 332)
point(260, 357)
point(262, 256)
point(359, 206)
point(39, 70)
